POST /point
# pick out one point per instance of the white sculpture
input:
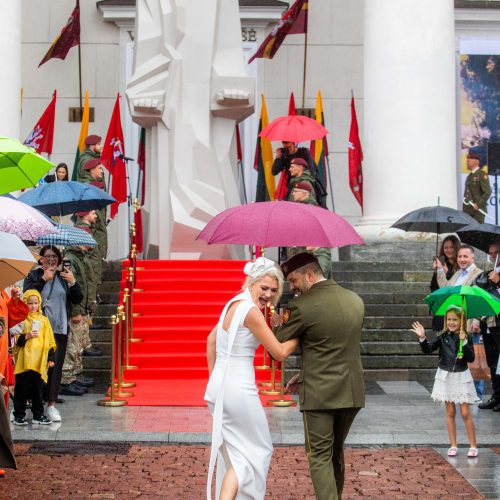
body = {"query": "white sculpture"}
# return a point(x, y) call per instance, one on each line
point(188, 89)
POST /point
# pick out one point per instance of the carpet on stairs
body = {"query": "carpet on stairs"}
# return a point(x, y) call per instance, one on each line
point(176, 305)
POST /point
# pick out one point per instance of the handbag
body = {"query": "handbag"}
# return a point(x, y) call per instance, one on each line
point(479, 367)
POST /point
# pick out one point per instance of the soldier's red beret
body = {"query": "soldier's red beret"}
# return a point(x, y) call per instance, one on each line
point(92, 140)
point(91, 164)
point(299, 161)
point(306, 186)
point(82, 214)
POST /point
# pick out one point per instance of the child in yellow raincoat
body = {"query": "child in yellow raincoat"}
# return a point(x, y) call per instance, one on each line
point(33, 355)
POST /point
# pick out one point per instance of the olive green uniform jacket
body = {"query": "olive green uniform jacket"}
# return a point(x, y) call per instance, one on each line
point(81, 174)
point(328, 320)
point(82, 269)
point(324, 255)
point(477, 190)
point(94, 254)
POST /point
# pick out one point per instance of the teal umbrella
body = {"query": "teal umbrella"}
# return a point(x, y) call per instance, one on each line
point(473, 300)
point(20, 166)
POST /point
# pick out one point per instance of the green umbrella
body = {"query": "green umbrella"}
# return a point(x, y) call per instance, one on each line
point(474, 301)
point(20, 166)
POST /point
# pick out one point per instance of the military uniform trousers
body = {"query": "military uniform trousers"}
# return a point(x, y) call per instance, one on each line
point(78, 340)
point(325, 433)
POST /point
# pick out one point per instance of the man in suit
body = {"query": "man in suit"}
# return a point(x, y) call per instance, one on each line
point(328, 320)
point(467, 273)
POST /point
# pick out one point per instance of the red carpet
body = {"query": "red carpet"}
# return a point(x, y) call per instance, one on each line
point(178, 303)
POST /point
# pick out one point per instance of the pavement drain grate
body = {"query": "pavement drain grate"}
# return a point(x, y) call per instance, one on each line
point(52, 448)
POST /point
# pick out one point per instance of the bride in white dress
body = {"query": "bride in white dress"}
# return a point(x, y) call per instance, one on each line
point(241, 442)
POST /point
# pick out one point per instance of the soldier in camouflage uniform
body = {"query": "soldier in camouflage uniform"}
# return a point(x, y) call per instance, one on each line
point(93, 151)
point(78, 337)
point(301, 193)
point(299, 172)
point(477, 189)
point(100, 232)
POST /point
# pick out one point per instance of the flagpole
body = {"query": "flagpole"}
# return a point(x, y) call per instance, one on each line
point(330, 180)
point(80, 79)
point(304, 75)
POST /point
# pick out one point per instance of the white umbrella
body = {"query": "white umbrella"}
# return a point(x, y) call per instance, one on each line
point(16, 261)
point(21, 219)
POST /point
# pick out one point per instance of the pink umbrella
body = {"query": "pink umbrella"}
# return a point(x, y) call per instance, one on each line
point(21, 219)
point(280, 223)
point(294, 128)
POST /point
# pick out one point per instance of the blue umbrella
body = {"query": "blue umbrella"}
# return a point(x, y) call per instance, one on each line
point(67, 236)
point(63, 198)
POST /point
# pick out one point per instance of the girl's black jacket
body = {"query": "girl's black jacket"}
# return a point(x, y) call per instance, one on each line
point(447, 343)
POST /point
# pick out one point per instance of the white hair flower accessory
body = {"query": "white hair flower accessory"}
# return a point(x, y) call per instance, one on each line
point(259, 267)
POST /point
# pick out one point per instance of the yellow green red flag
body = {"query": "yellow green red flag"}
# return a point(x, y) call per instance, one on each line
point(84, 132)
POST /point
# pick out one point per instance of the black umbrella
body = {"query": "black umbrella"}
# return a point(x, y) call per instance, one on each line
point(480, 236)
point(437, 219)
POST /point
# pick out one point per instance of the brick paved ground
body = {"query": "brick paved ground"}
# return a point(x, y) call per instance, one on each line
point(88, 470)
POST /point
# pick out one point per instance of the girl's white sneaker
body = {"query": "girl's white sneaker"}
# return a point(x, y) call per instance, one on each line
point(53, 414)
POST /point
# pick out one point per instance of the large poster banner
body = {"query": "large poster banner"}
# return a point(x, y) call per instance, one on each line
point(479, 114)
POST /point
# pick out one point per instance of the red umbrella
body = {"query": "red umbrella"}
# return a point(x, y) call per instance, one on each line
point(280, 223)
point(294, 128)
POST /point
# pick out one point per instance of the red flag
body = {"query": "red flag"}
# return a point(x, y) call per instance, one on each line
point(112, 158)
point(141, 161)
point(355, 154)
point(293, 22)
point(42, 135)
point(291, 106)
point(69, 37)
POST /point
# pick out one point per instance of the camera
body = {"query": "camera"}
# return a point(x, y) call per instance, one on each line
point(66, 264)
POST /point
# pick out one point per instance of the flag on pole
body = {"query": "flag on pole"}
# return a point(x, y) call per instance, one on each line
point(112, 155)
point(355, 154)
point(42, 135)
point(293, 22)
point(141, 162)
point(84, 132)
point(266, 186)
point(67, 38)
point(319, 147)
point(239, 166)
point(292, 110)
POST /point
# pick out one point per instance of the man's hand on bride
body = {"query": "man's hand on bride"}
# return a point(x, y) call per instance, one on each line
point(292, 385)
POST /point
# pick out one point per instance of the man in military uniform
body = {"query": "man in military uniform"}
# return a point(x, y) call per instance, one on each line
point(299, 172)
point(302, 193)
point(78, 336)
point(327, 319)
point(95, 171)
point(477, 189)
point(92, 151)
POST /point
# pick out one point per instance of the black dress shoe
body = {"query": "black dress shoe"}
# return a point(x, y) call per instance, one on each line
point(80, 386)
point(489, 405)
point(92, 351)
point(497, 407)
point(71, 390)
point(84, 381)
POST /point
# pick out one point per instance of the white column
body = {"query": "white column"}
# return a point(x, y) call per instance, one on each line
point(10, 55)
point(409, 111)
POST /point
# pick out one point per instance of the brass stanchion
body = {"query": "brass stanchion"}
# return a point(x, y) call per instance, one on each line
point(282, 401)
point(273, 391)
point(131, 307)
point(126, 301)
point(121, 394)
point(112, 401)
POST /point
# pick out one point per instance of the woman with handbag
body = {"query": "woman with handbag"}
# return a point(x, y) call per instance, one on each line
point(58, 289)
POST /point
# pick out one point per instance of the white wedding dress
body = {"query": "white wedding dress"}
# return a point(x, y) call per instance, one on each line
point(240, 433)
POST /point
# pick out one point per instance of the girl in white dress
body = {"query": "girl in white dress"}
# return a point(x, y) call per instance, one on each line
point(453, 382)
point(241, 442)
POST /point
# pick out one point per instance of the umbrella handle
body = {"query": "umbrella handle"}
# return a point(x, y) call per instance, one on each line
point(460, 353)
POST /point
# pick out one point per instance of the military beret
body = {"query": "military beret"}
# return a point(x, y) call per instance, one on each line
point(473, 156)
point(98, 184)
point(297, 261)
point(306, 186)
point(92, 140)
point(299, 161)
point(83, 213)
point(92, 164)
